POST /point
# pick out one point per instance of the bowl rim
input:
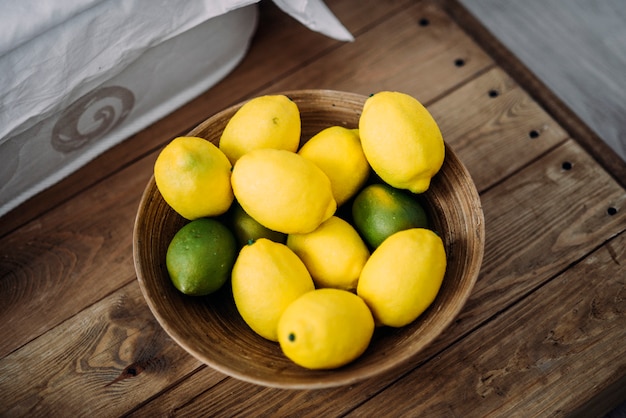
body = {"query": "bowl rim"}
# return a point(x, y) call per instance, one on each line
point(338, 379)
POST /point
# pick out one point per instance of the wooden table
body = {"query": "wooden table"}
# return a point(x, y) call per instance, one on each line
point(543, 333)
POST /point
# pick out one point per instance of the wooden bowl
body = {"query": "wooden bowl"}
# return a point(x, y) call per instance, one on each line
point(211, 329)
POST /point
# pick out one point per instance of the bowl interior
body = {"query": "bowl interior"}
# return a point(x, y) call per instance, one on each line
point(211, 329)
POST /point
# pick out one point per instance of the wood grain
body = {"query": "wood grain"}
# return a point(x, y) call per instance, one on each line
point(540, 221)
point(399, 53)
point(501, 128)
point(90, 363)
point(56, 266)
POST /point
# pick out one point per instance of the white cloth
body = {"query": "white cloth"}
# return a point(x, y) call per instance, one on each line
point(58, 58)
point(54, 54)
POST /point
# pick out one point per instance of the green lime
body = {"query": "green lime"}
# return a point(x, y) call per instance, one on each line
point(380, 210)
point(200, 257)
point(246, 228)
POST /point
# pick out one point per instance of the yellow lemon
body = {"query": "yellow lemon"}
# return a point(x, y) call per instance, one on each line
point(334, 253)
point(325, 329)
point(193, 176)
point(402, 276)
point(271, 121)
point(283, 191)
point(266, 278)
point(401, 140)
point(338, 152)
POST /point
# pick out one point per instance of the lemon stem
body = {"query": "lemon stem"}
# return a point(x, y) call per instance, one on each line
point(292, 337)
point(250, 241)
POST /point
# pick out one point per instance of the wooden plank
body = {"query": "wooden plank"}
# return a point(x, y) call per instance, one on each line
point(271, 57)
point(400, 53)
point(545, 356)
point(56, 266)
point(169, 402)
point(495, 127)
point(610, 402)
point(521, 254)
point(540, 221)
point(90, 363)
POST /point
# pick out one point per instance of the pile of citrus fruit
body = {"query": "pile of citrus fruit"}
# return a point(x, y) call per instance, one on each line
point(322, 242)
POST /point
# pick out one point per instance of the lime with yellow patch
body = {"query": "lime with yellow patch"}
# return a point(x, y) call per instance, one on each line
point(380, 210)
point(193, 176)
point(325, 329)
